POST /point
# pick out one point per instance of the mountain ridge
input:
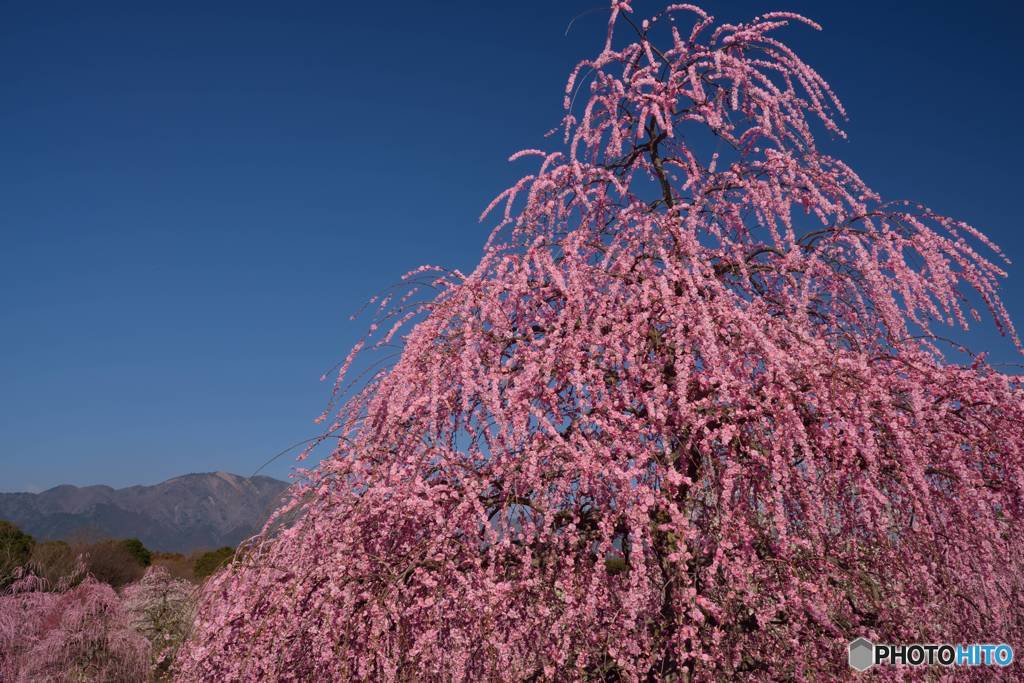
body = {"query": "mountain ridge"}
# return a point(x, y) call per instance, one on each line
point(184, 513)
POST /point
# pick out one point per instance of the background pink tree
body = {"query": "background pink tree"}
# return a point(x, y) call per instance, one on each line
point(75, 630)
point(689, 418)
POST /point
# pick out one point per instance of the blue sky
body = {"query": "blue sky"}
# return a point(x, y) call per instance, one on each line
point(195, 196)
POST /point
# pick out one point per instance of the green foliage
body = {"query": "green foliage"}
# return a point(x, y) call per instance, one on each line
point(15, 548)
point(210, 562)
point(139, 551)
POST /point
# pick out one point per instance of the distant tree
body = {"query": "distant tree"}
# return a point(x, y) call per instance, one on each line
point(178, 565)
point(139, 551)
point(56, 562)
point(159, 606)
point(208, 563)
point(78, 634)
point(113, 562)
point(15, 550)
point(691, 417)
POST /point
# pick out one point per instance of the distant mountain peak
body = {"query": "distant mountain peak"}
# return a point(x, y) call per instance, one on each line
point(196, 510)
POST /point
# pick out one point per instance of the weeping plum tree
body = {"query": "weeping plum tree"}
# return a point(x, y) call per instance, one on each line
point(74, 630)
point(690, 418)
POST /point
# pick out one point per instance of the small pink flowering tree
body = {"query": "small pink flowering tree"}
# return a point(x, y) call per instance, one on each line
point(73, 631)
point(690, 417)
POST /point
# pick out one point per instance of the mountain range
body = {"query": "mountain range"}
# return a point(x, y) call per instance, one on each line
point(205, 510)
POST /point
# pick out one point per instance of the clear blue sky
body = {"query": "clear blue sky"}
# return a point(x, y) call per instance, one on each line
point(196, 195)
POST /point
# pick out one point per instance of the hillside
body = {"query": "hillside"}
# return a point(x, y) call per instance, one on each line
point(193, 511)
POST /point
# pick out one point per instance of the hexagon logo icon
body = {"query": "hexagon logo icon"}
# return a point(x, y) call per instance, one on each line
point(862, 653)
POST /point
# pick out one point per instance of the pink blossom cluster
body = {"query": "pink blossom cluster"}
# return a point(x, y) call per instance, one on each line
point(690, 418)
point(53, 634)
